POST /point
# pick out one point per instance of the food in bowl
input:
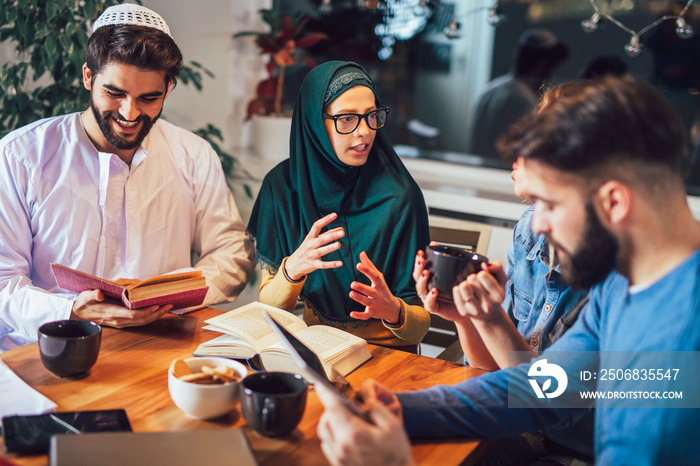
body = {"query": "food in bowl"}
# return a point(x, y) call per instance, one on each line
point(206, 375)
point(204, 400)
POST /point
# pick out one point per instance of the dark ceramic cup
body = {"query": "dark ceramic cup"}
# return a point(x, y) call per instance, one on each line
point(449, 266)
point(69, 348)
point(273, 403)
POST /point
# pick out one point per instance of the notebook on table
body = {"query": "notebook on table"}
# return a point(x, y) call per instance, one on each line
point(174, 448)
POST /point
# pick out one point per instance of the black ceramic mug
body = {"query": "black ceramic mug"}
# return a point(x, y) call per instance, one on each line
point(69, 348)
point(273, 403)
point(449, 266)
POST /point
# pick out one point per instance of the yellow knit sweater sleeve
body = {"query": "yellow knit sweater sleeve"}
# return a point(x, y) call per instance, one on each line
point(415, 324)
point(276, 291)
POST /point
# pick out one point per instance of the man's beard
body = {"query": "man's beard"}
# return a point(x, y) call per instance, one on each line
point(115, 140)
point(594, 259)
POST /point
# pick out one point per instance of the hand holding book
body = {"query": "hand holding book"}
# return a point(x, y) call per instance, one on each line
point(179, 289)
point(129, 302)
point(91, 305)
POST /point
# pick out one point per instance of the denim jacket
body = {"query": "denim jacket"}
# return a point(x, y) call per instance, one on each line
point(540, 305)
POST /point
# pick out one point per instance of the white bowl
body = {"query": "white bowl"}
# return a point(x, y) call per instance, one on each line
point(206, 401)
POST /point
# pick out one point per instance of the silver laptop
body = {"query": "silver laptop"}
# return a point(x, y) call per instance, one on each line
point(208, 447)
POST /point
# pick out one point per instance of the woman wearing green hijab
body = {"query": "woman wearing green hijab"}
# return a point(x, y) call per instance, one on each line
point(342, 218)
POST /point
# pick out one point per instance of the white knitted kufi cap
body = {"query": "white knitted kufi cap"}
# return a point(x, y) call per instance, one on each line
point(131, 15)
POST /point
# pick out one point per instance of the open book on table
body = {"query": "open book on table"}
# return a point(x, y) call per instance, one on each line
point(179, 289)
point(247, 334)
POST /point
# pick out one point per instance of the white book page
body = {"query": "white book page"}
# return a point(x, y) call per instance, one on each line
point(331, 345)
point(18, 398)
point(226, 345)
point(326, 341)
point(249, 323)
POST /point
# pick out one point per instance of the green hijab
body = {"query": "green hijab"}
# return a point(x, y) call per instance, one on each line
point(378, 204)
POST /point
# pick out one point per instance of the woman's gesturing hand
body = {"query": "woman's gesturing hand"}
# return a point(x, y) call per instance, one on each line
point(307, 257)
point(378, 300)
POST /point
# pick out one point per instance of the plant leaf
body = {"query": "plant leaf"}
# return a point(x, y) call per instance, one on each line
point(248, 33)
point(271, 18)
point(11, 15)
point(51, 50)
point(311, 39)
point(51, 10)
point(299, 25)
point(91, 9)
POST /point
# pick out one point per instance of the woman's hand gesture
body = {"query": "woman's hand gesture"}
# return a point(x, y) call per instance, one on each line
point(378, 300)
point(307, 257)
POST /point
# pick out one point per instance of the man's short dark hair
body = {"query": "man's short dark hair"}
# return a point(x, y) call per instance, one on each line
point(607, 123)
point(145, 48)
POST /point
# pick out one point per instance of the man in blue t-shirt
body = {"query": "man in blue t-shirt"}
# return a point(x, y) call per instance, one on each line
point(603, 169)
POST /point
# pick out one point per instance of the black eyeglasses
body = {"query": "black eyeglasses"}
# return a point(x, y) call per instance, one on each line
point(346, 123)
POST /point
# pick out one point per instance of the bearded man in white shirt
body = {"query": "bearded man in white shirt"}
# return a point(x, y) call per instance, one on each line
point(113, 191)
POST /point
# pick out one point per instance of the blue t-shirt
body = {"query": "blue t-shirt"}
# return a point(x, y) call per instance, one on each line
point(662, 317)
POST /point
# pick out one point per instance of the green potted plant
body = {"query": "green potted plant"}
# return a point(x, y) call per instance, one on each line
point(285, 44)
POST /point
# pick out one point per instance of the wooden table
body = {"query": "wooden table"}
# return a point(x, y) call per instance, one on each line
point(131, 373)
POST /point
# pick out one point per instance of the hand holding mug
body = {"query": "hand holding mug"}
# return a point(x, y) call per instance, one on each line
point(480, 296)
point(429, 296)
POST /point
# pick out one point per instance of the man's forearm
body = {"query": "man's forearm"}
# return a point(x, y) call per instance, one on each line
point(478, 408)
point(501, 337)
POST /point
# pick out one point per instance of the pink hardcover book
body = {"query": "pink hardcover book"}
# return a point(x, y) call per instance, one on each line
point(180, 289)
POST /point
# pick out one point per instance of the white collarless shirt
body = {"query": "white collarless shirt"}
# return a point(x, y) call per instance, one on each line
point(63, 201)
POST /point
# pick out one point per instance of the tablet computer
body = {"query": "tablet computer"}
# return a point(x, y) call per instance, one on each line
point(311, 366)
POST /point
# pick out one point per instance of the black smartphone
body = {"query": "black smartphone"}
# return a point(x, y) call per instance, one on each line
point(32, 434)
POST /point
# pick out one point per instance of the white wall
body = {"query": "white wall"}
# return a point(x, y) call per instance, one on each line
point(203, 31)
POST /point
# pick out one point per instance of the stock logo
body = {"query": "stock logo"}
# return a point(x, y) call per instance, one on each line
point(544, 369)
